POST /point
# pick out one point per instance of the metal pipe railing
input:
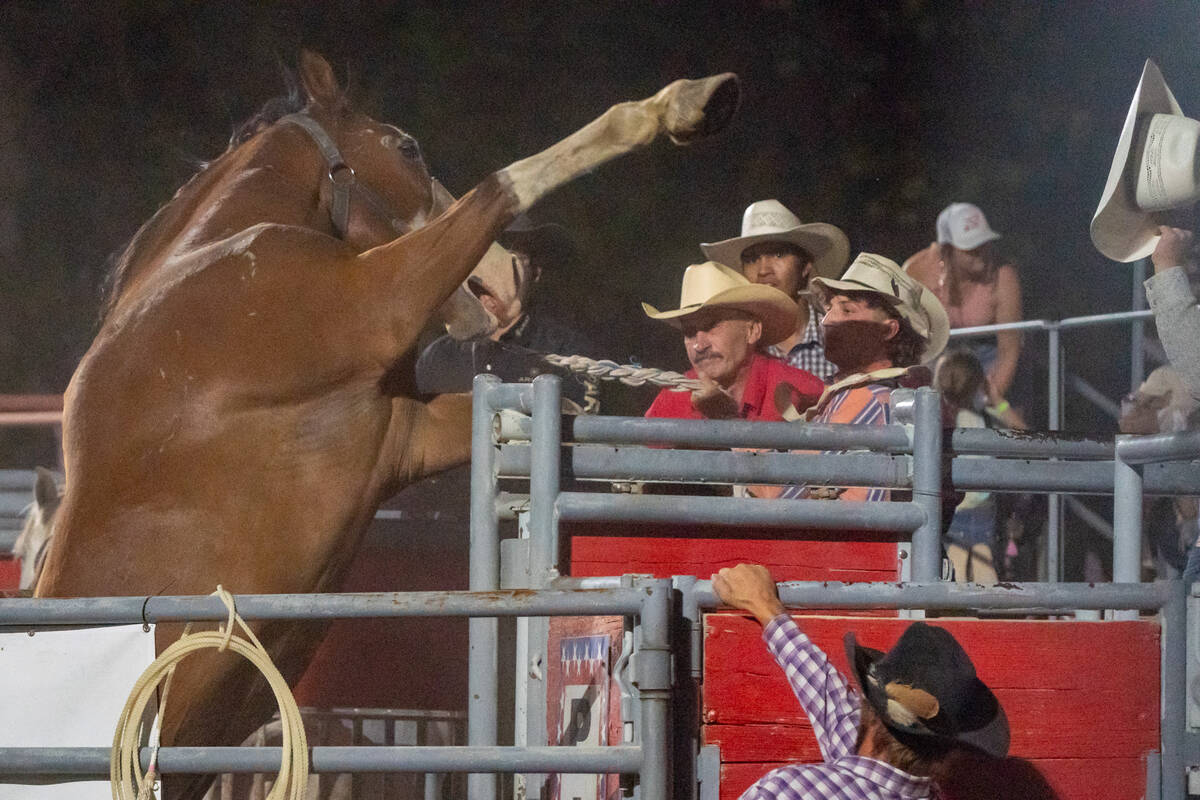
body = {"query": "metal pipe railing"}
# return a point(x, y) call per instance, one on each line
point(483, 683)
point(82, 763)
point(544, 450)
point(740, 512)
point(29, 611)
point(605, 463)
point(927, 485)
point(1159, 447)
point(727, 434)
point(948, 596)
point(1113, 318)
point(1054, 381)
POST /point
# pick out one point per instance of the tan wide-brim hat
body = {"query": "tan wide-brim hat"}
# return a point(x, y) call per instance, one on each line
point(914, 302)
point(1152, 170)
point(712, 285)
point(771, 221)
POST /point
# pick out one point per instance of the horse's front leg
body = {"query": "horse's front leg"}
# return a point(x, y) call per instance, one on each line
point(419, 271)
point(425, 438)
point(686, 110)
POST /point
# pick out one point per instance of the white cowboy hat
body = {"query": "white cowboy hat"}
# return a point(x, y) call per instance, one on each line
point(964, 226)
point(713, 285)
point(770, 221)
point(915, 303)
point(1152, 170)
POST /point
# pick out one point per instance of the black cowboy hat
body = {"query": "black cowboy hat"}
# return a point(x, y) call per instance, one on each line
point(926, 686)
point(548, 244)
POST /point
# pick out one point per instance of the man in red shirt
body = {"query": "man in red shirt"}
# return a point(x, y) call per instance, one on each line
point(726, 321)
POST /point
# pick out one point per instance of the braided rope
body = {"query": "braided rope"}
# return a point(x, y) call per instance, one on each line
point(627, 374)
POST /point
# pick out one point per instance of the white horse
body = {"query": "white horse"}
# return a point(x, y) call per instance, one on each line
point(34, 542)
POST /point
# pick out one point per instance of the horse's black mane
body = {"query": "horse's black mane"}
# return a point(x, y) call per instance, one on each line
point(270, 113)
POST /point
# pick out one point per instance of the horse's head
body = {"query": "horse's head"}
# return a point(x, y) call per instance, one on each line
point(377, 187)
point(33, 543)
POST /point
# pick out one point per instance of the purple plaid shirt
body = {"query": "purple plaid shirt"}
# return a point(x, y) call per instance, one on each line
point(809, 353)
point(834, 710)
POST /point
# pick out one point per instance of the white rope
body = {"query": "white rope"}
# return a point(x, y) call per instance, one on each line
point(125, 771)
point(627, 374)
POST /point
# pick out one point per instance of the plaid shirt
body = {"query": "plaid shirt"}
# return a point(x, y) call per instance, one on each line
point(809, 353)
point(834, 710)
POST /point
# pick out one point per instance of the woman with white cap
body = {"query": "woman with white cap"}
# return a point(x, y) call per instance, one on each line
point(976, 286)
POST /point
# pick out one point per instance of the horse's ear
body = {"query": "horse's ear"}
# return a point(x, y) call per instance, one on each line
point(318, 80)
point(45, 489)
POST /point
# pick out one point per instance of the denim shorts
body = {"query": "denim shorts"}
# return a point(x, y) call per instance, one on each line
point(972, 526)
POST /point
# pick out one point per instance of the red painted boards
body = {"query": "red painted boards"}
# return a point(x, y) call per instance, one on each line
point(681, 550)
point(1081, 697)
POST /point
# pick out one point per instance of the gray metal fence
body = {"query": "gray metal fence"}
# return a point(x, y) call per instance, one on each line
point(519, 433)
point(646, 601)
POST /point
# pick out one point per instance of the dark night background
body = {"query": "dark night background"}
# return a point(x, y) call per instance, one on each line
point(872, 116)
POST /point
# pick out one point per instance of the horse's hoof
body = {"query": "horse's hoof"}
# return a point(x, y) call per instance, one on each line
point(702, 107)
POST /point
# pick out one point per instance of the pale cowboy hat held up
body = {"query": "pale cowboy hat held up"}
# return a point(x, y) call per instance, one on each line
point(912, 301)
point(715, 286)
point(1153, 171)
point(771, 221)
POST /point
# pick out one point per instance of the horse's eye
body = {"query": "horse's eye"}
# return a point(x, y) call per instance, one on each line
point(406, 144)
point(410, 148)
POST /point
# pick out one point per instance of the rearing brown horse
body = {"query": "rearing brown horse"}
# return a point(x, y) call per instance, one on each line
point(234, 420)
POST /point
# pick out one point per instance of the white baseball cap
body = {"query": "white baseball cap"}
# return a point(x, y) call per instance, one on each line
point(964, 226)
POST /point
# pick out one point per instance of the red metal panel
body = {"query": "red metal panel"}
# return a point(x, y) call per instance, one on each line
point(787, 560)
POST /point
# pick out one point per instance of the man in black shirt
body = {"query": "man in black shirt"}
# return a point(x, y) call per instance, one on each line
point(513, 351)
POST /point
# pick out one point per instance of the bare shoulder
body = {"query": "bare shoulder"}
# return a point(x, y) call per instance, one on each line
point(925, 265)
point(1007, 276)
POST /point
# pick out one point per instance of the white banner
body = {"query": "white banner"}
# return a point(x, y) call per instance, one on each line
point(66, 688)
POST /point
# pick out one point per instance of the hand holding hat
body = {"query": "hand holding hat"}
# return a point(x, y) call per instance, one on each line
point(1153, 170)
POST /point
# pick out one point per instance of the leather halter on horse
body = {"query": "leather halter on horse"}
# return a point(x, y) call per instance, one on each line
point(344, 182)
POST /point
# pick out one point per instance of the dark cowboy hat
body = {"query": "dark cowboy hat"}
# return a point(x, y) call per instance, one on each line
point(926, 686)
point(547, 244)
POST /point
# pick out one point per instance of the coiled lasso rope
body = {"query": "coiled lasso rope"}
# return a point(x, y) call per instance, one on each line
point(125, 770)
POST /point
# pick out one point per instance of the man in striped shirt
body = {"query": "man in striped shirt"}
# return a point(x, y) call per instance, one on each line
point(923, 700)
point(879, 326)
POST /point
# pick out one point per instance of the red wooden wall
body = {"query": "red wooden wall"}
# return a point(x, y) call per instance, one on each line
point(1082, 699)
point(10, 576)
point(664, 551)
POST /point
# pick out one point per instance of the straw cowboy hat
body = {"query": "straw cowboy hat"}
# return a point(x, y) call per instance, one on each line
point(926, 687)
point(1152, 170)
point(713, 285)
point(915, 303)
point(770, 221)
